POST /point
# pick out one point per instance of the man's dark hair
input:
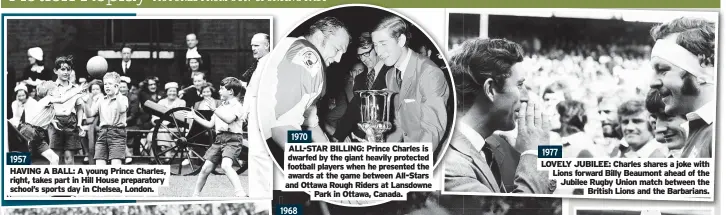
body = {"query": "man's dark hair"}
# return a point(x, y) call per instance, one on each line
point(396, 27)
point(233, 84)
point(697, 35)
point(479, 59)
point(328, 26)
point(64, 60)
point(573, 116)
point(126, 45)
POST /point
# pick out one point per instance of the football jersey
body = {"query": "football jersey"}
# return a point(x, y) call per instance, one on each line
point(291, 84)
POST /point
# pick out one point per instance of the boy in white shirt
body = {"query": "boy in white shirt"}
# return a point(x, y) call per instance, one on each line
point(227, 122)
point(38, 116)
point(111, 109)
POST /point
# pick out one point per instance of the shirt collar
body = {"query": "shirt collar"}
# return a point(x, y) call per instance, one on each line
point(476, 140)
point(404, 64)
point(192, 49)
point(706, 112)
point(60, 83)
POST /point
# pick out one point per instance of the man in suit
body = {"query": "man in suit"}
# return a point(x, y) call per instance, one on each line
point(489, 76)
point(683, 57)
point(260, 47)
point(129, 68)
point(182, 59)
point(421, 87)
point(373, 79)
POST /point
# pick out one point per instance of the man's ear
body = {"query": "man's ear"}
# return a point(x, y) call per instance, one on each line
point(402, 40)
point(489, 89)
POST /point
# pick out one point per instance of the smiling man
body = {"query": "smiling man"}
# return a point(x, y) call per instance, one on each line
point(638, 140)
point(422, 93)
point(668, 128)
point(683, 58)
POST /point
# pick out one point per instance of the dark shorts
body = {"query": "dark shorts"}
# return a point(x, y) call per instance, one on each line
point(36, 136)
point(111, 143)
point(67, 138)
point(226, 145)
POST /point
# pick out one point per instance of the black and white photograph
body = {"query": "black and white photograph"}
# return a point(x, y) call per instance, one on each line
point(216, 208)
point(139, 91)
point(601, 83)
point(645, 212)
point(356, 74)
point(430, 203)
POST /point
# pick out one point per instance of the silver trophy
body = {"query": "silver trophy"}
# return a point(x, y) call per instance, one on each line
point(375, 113)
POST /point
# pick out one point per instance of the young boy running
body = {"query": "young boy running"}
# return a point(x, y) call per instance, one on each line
point(227, 122)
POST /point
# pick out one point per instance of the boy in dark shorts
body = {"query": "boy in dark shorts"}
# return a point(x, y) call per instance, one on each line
point(38, 117)
point(111, 109)
point(227, 122)
point(65, 139)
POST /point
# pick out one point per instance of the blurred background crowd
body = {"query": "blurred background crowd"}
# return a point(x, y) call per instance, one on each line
point(592, 71)
point(580, 59)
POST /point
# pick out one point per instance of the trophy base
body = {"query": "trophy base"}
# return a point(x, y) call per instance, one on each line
point(374, 130)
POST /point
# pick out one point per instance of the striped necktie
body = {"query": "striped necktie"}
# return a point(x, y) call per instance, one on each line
point(371, 78)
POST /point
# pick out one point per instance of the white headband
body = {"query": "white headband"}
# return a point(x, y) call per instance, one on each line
point(680, 57)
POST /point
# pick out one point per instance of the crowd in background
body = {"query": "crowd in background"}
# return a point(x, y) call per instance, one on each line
point(180, 209)
point(194, 91)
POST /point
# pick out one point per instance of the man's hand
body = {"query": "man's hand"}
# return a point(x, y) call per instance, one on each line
point(533, 127)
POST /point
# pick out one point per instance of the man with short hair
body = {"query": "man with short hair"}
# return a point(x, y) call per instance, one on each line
point(490, 76)
point(261, 167)
point(684, 58)
point(421, 87)
point(668, 130)
point(260, 47)
point(133, 71)
point(295, 82)
point(638, 140)
point(182, 59)
point(372, 79)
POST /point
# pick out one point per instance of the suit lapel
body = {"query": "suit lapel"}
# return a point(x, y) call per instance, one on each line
point(409, 77)
point(463, 145)
point(505, 158)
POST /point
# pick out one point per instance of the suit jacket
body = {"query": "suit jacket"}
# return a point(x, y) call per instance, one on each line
point(420, 103)
point(135, 71)
point(349, 122)
point(183, 70)
point(465, 170)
